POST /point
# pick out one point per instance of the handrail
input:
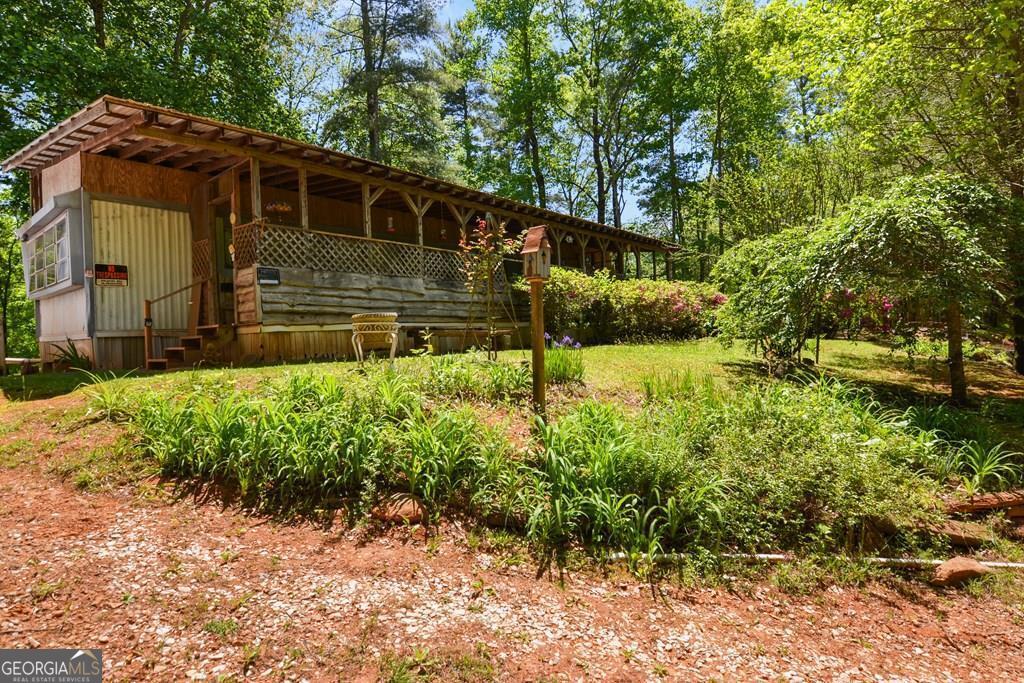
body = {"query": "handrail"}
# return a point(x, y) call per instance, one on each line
point(147, 314)
point(198, 280)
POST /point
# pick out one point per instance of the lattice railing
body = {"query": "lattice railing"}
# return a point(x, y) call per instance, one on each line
point(285, 247)
point(246, 241)
point(202, 268)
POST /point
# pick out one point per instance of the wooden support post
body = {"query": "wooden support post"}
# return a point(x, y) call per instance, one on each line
point(636, 254)
point(236, 197)
point(147, 331)
point(537, 342)
point(462, 216)
point(303, 199)
point(419, 207)
point(671, 266)
point(369, 197)
point(583, 253)
point(602, 243)
point(254, 186)
point(557, 237)
point(367, 222)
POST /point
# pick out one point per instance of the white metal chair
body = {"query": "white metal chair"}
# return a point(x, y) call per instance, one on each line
point(375, 331)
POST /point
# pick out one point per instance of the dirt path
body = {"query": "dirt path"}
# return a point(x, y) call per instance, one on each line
point(173, 591)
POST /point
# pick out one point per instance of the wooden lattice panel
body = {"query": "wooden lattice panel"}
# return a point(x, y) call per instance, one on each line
point(285, 248)
point(290, 248)
point(246, 241)
point(443, 266)
point(202, 267)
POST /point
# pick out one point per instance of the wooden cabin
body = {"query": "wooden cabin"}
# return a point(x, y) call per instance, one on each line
point(159, 238)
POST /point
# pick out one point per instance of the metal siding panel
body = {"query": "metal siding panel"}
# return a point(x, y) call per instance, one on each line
point(156, 245)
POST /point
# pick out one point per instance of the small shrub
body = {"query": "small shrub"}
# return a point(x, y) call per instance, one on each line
point(601, 309)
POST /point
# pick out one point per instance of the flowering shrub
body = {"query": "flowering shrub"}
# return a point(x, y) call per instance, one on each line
point(599, 308)
point(563, 362)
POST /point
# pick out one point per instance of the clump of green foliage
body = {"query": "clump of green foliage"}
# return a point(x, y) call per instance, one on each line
point(599, 308)
point(563, 361)
point(698, 468)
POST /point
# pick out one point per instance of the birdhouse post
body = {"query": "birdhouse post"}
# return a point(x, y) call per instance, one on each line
point(536, 269)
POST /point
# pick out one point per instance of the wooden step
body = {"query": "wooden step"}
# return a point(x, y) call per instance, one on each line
point(208, 330)
point(182, 355)
point(156, 364)
point(194, 341)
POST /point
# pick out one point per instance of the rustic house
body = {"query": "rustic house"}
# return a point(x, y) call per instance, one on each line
point(159, 238)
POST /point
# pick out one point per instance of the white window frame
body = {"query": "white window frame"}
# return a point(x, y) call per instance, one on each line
point(49, 256)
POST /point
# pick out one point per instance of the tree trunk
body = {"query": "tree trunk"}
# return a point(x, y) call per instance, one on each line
point(371, 84)
point(602, 194)
point(954, 339)
point(99, 21)
point(531, 127)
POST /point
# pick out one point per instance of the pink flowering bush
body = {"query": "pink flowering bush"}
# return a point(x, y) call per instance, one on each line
point(602, 309)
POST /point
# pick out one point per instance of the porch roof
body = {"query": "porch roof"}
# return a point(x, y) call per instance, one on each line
point(157, 135)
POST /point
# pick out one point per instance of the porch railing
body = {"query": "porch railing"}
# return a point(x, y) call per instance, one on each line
point(280, 246)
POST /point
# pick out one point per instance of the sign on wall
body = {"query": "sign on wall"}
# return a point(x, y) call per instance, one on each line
point(111, 275)
point(268, 276)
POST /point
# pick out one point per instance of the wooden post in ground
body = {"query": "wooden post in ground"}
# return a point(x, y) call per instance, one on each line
point(536, 269)
point(537, 342)
point(147, 330)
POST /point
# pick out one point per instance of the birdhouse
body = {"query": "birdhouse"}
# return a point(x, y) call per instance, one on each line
point(536, 254)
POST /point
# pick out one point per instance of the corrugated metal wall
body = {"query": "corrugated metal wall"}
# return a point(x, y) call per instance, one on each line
point(156, 245)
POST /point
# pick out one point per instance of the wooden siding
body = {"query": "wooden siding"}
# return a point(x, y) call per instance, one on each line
point(246, 304)
point(48, 350)
point(131, 179)
point(314, 344)
point(307, 296)
point(62, 177)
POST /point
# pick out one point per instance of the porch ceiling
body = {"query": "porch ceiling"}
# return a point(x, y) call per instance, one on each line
point(155, 135)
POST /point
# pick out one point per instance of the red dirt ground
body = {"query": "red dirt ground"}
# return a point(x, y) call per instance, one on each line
point(148, 579)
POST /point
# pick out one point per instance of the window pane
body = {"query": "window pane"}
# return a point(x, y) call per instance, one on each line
point(62, 270)
point(36, 281)
point(51, 254)
point(61, 230)
point(62, 249)
point(48, 237)
point(51, 275)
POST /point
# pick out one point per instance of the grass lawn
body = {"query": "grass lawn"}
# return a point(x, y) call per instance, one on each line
point(616, 370)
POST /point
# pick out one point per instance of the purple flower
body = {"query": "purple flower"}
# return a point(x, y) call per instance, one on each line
point(577, 345)
point(567, 340)
point(547, 336)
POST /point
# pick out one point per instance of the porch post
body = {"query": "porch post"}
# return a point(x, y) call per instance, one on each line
point(303, 199)
point(636, 255)
point(254, 187)
point(367, 223)
point(583, 253)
